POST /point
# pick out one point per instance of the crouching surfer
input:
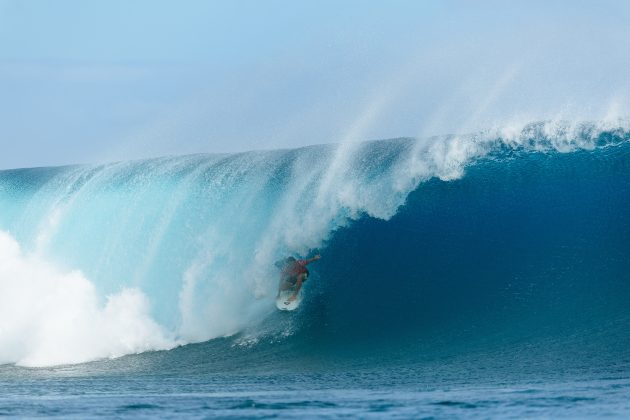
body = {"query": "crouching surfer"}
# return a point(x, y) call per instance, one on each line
point(293, 274)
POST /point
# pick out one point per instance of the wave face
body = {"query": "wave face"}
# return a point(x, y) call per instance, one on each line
point(525, 228)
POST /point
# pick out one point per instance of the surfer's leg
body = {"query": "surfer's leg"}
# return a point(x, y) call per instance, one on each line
point(284, 285)
point(298, 286)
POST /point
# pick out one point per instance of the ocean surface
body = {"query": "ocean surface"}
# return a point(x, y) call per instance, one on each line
point(477, 276)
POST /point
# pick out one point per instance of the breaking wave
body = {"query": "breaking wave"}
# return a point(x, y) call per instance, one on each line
point(102, 261)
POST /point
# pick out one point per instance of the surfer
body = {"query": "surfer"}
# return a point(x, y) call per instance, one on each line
point(293, 274)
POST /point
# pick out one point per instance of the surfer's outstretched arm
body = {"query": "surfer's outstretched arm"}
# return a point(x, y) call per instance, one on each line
point(315, 258)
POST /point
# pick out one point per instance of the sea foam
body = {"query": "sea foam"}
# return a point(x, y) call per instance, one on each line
point(50, 317)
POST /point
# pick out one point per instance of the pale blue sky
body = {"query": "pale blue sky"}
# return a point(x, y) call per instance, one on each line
point(92, 81)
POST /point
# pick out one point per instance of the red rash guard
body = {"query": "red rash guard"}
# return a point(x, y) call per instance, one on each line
point(293, 270)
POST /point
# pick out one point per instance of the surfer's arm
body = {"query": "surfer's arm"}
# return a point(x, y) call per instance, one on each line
point(315, 258)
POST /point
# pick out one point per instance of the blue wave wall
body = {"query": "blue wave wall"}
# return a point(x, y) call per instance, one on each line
point(539, 243)
point(518, 234)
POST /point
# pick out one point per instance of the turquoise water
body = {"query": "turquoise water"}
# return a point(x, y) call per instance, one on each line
point(477, 276)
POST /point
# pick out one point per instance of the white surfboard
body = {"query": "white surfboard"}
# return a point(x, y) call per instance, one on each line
point(282, 302)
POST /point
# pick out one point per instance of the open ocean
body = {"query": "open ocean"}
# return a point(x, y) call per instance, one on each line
point(485, 275)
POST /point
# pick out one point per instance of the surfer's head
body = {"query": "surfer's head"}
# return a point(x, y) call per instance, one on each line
point(290, 260)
